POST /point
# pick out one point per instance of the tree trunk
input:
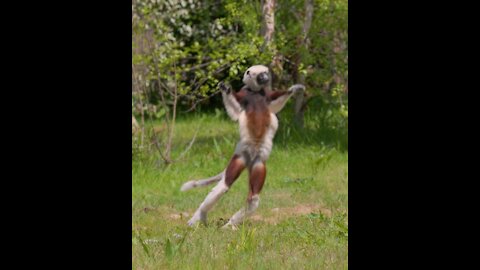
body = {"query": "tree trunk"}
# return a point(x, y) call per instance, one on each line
point(268, 28)
point(135, 125)
point(300, 105)
point(300, 100)
point(268, 14)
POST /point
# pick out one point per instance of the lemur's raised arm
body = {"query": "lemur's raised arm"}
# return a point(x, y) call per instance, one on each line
point(230, 101)
point(278, 99)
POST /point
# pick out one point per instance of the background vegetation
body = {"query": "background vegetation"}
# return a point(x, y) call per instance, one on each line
point(180, 131)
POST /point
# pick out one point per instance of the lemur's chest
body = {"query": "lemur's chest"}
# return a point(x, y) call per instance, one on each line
point(257, 114)
point(254, 101)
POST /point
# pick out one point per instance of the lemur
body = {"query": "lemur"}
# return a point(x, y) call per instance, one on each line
point(254, 107)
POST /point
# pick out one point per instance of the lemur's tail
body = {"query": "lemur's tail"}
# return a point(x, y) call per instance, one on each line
point(203, 182)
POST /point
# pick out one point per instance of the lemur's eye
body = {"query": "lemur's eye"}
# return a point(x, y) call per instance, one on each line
point(248, 72)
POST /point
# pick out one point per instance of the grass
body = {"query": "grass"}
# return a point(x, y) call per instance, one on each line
point(301, 223)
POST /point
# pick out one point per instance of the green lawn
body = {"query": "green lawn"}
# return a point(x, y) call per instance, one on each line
point(301, 223)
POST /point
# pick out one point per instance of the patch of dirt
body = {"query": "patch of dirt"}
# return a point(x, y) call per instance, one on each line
point(281, 195)
point(272, 216)
point(278, 214)
point(167, 212)
point(180, 215)
point(139, 228)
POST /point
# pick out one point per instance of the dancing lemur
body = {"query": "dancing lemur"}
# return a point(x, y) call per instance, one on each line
point(254, 107)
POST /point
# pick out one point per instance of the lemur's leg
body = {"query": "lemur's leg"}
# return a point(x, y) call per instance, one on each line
point(258, 173)
point(230, 102)
point(279, 100)
point(235, 167)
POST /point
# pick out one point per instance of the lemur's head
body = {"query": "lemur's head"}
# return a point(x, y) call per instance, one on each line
point(256, 77)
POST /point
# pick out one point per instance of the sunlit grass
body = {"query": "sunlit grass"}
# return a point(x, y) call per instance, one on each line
point(301, 222)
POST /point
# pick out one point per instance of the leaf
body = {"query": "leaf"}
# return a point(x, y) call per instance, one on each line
point(144, 246)
point(217, 147)
point(168, 248)
point(227, 141)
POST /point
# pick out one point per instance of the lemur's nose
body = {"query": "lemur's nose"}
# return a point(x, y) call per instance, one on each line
point(262, 78)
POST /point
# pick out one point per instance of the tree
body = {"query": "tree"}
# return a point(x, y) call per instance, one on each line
point(180, 52)
point(300, 100)
point(182, 49)
point(268, 24)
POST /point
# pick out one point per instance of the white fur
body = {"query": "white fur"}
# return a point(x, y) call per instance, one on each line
point(243, 213)
point(249, 77)
point(248, 146)
point(278, 104)
point(209, 202)
point(203, 182)
point(231, 105)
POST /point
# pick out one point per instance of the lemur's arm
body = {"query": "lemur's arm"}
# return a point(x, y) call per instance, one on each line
point(231, 101)
point(280, 98)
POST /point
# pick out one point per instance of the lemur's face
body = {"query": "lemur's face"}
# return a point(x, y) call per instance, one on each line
point(256, 77)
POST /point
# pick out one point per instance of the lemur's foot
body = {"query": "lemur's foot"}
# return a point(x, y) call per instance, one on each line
point(230, 226)
point(198, 216)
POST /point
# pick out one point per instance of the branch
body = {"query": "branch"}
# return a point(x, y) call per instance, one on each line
point(220, 69)
point(199, 66)
point(193, 107)
point(155, 142)
point(190, 145)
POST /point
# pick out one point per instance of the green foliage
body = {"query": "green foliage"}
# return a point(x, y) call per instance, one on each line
point(193, 45)
point(189, 46)
point(326, 47)
point(322, 56)
point(185, 48)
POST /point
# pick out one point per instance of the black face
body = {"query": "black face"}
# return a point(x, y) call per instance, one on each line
point(262, 78)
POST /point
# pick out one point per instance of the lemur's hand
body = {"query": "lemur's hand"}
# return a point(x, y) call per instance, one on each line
point(296, 88)
point(224, 87)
